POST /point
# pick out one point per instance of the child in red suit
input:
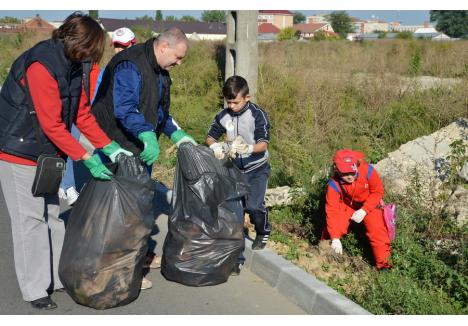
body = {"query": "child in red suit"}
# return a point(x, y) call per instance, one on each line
point(353, 194)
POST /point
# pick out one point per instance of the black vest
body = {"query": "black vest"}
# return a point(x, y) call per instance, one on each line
point(17, 134)
point(142, 55)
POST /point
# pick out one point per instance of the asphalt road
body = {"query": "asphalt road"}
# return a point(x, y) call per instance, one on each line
point(246, 294)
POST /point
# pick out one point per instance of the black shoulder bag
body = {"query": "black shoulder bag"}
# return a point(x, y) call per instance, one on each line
point(50, 167)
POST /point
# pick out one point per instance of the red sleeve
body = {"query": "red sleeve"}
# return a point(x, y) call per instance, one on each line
point(334, 212)
point(46, 99)
point(376, 191)
point(93, 77)
point(87, 124)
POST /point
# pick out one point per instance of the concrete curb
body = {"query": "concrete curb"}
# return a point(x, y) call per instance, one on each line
point(296, 285)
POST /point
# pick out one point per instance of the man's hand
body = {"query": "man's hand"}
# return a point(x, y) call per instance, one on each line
point(218, 150)
point(179, 136)
point(336, 246)
point(97, 169)
point(358, 215)
point(113, 150)
point(151, 152)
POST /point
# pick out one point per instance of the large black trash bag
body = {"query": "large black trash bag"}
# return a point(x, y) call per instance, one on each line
point(106, 239)
point(205, 231)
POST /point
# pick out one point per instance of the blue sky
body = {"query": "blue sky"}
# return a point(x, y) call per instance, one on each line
point(407, 17)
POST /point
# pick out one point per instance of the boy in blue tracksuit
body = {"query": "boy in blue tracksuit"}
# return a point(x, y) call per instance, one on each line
point(247, 131)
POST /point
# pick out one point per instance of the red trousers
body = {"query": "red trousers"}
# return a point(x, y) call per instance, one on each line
point(376, 231)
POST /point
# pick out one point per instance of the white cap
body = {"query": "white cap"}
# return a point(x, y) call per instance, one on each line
point(123, 36)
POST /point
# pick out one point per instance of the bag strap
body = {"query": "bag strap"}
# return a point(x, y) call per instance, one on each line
point(339, 189)
point(332, 183)
point(369, 172)
point(32, 112)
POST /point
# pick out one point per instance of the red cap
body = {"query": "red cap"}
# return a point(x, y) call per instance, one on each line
point(346, 160)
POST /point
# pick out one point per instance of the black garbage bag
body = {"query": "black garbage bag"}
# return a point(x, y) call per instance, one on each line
point(205, 231)
point(106, 239)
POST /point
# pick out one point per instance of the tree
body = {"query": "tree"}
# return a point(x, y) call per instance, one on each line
point(159, 16)
point(9, 20)
point(341, 23)
point(381, 34)
point(171, 18)
point(288, 33)
point(454, 23)
point(188, 18)
point(298, 17)
point(94, 14)
point(211, 16)
point(145, 18)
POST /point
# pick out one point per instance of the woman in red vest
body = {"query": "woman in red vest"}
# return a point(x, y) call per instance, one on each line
point(353, 194)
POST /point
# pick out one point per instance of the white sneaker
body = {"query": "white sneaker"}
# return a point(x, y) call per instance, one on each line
point(146, 284)
point(62, 195)
point(169, 196)
point(72, 196)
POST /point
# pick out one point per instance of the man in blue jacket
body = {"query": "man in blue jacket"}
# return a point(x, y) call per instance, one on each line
point(133, 99)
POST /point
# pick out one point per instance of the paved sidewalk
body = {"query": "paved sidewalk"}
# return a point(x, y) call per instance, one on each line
point(246, 294)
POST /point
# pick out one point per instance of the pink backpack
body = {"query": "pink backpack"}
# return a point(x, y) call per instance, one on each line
point(389, 214)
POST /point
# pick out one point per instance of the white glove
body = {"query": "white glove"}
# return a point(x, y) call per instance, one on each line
point(218, 151)
point(358, 215)
point(336, 246)
point(239, 146)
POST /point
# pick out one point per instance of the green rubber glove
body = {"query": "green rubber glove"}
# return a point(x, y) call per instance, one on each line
point(97, 169)
point(151, 152)
point(114, 149)
point(179, 136)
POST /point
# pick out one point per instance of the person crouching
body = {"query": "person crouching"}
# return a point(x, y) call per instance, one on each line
point(353, 194)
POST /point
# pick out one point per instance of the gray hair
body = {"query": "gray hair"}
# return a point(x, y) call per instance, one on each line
point(172, 36)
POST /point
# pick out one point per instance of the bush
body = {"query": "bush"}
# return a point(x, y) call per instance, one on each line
point(288, 33)
point(404, 35)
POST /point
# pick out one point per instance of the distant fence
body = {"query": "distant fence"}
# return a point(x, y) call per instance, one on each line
point(19, 28)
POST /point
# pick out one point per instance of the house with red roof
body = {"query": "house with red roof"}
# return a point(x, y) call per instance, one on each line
point(267, 32)
point(278, 18)
point(307, 30)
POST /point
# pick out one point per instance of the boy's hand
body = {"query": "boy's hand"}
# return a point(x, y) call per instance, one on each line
point(239, 146)
point(242, 148)
point(218, 150)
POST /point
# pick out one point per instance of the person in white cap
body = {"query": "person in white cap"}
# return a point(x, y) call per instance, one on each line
point(122, 38)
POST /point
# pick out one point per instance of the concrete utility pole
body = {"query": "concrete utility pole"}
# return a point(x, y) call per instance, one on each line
point(242, 47)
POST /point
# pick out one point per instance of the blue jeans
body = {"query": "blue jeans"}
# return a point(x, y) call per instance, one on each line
point(68, 179)
point(255, 200)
